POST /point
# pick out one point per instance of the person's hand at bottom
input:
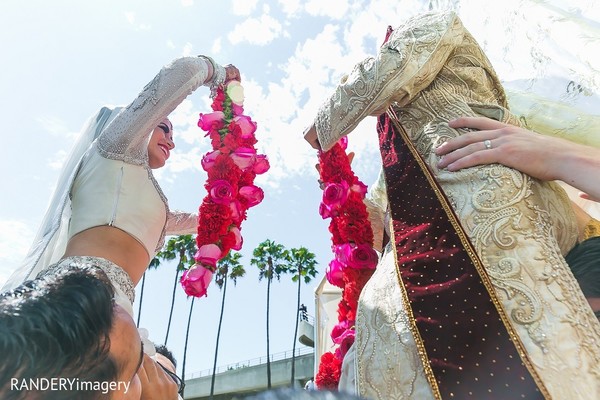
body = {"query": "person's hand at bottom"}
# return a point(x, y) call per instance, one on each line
point(156, 384)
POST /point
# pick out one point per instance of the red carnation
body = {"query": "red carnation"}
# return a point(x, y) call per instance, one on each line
point(330, 369)
point(222, 212)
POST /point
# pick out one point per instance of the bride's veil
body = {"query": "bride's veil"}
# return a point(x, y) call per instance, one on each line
point(51, 240)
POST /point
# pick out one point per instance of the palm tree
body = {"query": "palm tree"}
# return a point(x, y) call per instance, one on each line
point(302, 265)
point(182, 247)
point(228, 267)
point(270, 258)
point(139, 314)
point(187, 335)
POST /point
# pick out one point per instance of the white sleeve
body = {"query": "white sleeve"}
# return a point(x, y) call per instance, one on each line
point(126, 137)
point(181, 223)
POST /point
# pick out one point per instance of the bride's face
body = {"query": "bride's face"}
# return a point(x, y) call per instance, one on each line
point(160, 145)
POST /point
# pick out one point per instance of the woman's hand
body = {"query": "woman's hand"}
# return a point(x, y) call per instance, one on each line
point(232, 73)
point(496, 142)
point(543, 157)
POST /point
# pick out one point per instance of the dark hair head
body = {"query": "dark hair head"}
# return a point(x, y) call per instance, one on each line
point(584, 261)
point(57, 326)
point(300, 394)
point(162, 349)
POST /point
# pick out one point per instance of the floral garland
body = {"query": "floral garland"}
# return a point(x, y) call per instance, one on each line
point(231, 166)
point(352, 244)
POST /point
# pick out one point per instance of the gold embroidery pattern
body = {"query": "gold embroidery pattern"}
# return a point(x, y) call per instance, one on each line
point(444, 76)
point(592, 229)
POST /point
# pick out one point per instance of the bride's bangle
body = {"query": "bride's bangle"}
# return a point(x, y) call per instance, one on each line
point(218, 76)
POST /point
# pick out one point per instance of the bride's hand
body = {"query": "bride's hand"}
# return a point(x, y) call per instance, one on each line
point(232, 73)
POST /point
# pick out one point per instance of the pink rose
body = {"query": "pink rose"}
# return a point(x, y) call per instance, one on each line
point(253, 194)
point(221, 192)
point(236, 211)
point(208, 254)
point(343, 142)
point(343, 252)
point(324, 211)
point(335, 273)
point(244, 157)
point(195, 280)
point(360, 188)
point(238, 238)
point(237, 109)
point(362, 256)
point(261, 165)
point(247, 126)
point(341, 330)
point(335, 194)
point(346, 341)
point(209, 159)
point(213, 119)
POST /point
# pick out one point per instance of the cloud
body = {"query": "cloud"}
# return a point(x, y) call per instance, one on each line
point(56, 127)
point(187, 49)
point(335, 9)
point(58, 160)
point(243, 7)
point(15, 239)
point(257, 31)
point(284, 108)
point(131, 18)
point(290, 7)
point(217, 46)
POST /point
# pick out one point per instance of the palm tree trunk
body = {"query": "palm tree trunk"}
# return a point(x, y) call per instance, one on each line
point(214, 373)
point(268, 351)
point(187, 335)
point(296, 329)
point(137, 324)
point(172, 305)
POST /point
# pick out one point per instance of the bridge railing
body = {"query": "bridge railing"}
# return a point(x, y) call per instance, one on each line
point(252, 362)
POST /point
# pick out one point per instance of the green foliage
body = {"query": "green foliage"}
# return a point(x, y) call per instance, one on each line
point(271, 259)
point(182, 247)
point(229, 267)
point(302, 264)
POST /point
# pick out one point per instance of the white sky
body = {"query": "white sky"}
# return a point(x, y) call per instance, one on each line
point(62, 60)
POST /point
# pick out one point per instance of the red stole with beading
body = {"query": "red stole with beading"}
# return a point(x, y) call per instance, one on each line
point(466, 344)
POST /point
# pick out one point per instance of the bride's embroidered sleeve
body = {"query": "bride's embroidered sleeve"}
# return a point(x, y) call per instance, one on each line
point(126, 137)
point(181, 223)
point(405, 65)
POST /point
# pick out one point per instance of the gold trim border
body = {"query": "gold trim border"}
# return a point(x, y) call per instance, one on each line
point(468, 247)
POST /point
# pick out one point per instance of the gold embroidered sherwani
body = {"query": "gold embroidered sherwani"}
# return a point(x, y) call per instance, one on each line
point(430, 71)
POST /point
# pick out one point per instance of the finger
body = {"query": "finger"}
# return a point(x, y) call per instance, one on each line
point(466, 140)
point(150, 367)
point(351, 157)
point(459, 153)
point(143, 375)
point(479, 123)
point(473, 159)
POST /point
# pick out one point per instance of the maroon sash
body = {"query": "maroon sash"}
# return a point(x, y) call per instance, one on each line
point(466, 344)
